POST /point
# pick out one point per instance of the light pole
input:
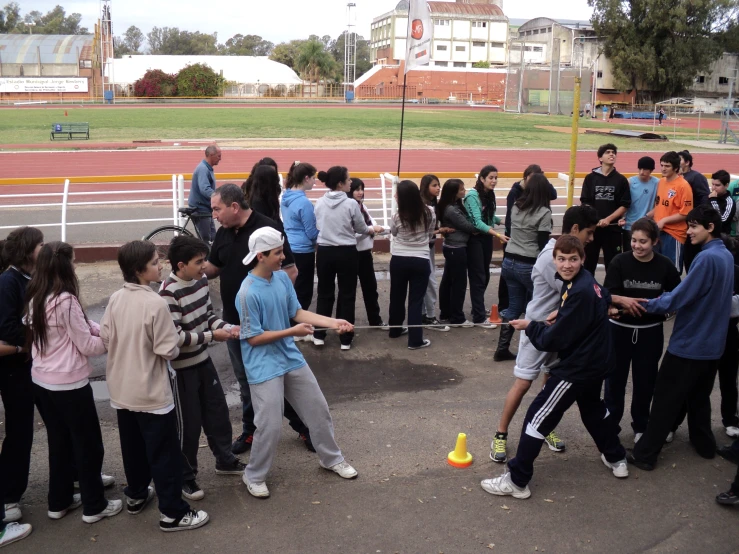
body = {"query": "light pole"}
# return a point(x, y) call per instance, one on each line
point(30, 27)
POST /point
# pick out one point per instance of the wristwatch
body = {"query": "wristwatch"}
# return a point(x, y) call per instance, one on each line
point(18, 349)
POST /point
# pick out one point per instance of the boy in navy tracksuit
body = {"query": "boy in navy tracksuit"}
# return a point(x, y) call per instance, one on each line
point(581, 335)
point(688, 370)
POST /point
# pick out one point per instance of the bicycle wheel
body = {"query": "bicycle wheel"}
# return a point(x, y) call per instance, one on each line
point(161, 237)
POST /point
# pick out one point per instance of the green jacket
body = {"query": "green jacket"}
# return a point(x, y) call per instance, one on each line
point(734, 193)
point(473, 205)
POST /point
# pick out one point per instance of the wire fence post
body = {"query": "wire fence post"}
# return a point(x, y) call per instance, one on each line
point(573, 141)
point(384, 200)
point(698, 136)
point(181, 194)
point(65, 199)
point(175, 215)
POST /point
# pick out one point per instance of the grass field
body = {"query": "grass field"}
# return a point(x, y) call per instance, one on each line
point(361, 127)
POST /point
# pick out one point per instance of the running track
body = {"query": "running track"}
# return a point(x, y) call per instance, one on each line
point(137, 162)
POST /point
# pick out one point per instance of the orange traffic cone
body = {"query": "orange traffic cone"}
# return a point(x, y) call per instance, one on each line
point(494, 315)
point(65, 113)
point(460, 457)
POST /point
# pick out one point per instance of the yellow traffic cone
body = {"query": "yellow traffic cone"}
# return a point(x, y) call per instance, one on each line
point(460, 457)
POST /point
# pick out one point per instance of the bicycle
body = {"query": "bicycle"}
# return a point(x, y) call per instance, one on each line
point(162, 236)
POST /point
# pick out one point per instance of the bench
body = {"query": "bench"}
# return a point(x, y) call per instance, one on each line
point(70, 129)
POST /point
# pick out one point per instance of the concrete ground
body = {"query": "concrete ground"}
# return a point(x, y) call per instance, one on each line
point(396, 414)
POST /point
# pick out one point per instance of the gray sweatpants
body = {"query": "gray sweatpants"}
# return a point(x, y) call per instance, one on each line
point(300, 388)
point(432, 291)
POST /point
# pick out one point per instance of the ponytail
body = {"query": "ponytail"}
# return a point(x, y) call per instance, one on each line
point(334, 176)
point(298, 173)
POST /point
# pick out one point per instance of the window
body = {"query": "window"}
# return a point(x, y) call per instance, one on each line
point(441, 22)
point(538, 49)
point(441, 47)
point(600, 74)
point(477, 44)
point(441, 64)
point(497, 45)
point(460, 64)
point(85, 64)
point(700, 79)
point(723, 80)
point(460, 48)
point(479, 24)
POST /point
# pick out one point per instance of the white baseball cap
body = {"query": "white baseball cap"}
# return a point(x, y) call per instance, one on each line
point(263, 240)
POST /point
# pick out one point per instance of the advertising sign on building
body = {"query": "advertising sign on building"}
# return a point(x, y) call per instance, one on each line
point(42, 84)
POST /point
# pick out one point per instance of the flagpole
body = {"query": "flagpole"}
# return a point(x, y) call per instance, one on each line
point(402, 121)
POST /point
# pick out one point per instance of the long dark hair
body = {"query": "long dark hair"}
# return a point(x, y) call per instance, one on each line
point(265, 191)
point(535, 195)
point(17, 249)
point(487, 198)
point(54, 275)
point(426, 181)
point(334, 176)
point(449, 198)
point(412, 211)
point(246, 186)
point(357, 184)
point(297, 174)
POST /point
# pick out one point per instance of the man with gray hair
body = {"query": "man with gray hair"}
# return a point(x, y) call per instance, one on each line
point(202, 188)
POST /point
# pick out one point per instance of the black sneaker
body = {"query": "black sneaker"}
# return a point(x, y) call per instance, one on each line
point(305, 437)
point(192, 491)
point(191, 520)
point(727, 453)
point(434, 324)
point(242, 443)
point(136, 506)
point(503, 356)
point(634, 462)
point(236, 467)
point(728, 498)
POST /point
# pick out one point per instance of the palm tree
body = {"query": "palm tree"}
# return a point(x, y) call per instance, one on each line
point(315, 62)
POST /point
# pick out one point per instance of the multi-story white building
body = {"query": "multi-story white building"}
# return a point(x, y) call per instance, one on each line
point(465, 32)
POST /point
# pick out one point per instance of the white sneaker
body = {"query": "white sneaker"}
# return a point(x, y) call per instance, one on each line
point(259, 490)
point(318, 342)
point(486, 325)
point(344, 470)
point(732, 431)
point(14, 532)
point(114, 508)
point(620, 469)
point(76, 503)
point(12, 513)
point(384, 326)
point(108, 480)
point(504, 486)
point(346, 346)
point(670, 437)
point(637, 436)
point(306, 338)
point(467, 324)
point(191, 520)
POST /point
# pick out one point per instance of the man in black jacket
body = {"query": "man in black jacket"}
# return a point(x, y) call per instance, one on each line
point(581, 335)
point(609, 193)
point(699, 184)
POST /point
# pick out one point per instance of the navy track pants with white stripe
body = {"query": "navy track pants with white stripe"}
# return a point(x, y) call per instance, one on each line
point(546, 412)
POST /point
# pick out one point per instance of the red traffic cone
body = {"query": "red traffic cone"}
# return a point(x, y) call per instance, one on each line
point(494, 316)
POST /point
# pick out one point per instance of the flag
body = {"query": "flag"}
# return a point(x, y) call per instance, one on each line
point(420, 29)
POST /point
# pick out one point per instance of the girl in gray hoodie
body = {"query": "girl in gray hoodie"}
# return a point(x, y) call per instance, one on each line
point(339, 220)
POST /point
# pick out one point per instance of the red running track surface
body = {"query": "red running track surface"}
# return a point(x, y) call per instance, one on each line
point(135, 162)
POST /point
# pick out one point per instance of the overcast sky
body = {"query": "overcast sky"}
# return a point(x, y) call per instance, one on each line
point(274, 20)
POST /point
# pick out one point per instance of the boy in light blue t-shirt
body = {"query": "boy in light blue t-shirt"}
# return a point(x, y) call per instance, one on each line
point(643, 192)
point(275, 367)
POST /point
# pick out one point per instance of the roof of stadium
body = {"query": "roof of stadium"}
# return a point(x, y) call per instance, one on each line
point(59, 49)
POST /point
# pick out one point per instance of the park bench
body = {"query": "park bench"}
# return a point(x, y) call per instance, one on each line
point(70, 129)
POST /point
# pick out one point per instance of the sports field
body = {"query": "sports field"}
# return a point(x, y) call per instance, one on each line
point(337, 127)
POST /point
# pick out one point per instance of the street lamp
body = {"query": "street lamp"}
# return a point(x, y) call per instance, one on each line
point(30, 27)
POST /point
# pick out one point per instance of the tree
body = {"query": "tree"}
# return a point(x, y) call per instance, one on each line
point(249, 45)
point(199, 80)
point(54, 22)
point(130, 43)
point(10, 16)
point(481, 65)
point(661, 44)
point(172, 41)
point(155, 84)
point(314, 62)
point(287, 53)
point(363, 56)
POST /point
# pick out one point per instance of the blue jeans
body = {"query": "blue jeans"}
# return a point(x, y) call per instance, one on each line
point(517, 277)
point(205, 226)
point(672, 248)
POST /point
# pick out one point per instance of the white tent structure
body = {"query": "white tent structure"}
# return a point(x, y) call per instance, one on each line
point(247, 75)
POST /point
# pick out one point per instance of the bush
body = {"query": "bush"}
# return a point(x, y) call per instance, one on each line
point(199, 80)
point(156, 83)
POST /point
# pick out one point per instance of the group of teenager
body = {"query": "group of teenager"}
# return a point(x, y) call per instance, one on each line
point(586, 338)
point(579, 334)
